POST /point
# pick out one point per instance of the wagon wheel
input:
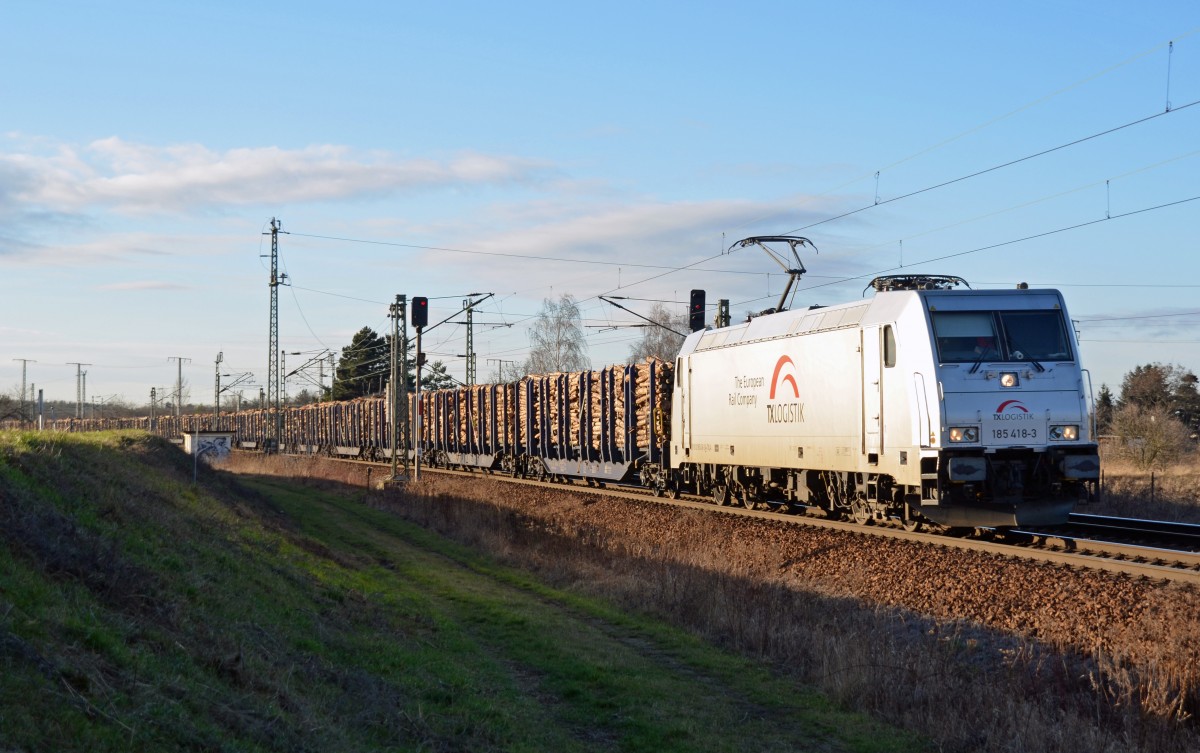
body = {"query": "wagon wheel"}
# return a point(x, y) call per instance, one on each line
point(910, 523)
point(720, 494)
point(673, 489)
point(747, 499)
point(859, 511)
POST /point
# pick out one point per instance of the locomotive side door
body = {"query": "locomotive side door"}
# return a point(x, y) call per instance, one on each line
point(872, 394)
point(683, 383)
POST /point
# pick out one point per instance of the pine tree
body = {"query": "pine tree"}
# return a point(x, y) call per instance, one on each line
point(364, 366)
point(1105, 406)
point(434, 377)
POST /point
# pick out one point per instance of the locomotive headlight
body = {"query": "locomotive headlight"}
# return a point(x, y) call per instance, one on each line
point(1064, 433)
point(1009, 379)
point(964, 433)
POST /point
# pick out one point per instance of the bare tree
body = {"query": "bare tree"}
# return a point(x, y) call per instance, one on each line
point(10, 408)
point(556, 339)
point(1150, 436)
point(658, 339)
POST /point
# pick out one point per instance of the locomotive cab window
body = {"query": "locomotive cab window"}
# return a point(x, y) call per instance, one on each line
point(971, 336)
point(964, 335)
point(1035, 335)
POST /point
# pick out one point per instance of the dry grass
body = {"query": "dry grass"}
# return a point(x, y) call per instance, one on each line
point(1171, 493)
point(977, 652)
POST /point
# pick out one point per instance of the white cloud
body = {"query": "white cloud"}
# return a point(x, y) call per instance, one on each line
point(142, 285)
point(138, 178)
point(645, 230)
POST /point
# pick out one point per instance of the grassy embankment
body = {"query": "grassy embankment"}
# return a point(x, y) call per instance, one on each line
point(973, 651)
point(140, 612)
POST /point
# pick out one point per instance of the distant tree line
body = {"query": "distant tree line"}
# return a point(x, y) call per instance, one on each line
point(1156, 418)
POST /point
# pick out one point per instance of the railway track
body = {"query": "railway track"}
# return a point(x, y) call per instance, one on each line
point(1054, 546)
point(1184, 536)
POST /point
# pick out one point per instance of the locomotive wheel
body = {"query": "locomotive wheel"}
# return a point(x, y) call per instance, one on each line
point(860, 512)
point(747, 500)
point(720, 494)
point(672, 491)
point(657, 490)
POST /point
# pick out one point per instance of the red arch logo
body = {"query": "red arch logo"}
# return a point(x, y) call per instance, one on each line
point(786, 379)
point(1011, 404)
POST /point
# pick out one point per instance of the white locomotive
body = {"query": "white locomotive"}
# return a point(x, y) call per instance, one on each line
point(929, 402)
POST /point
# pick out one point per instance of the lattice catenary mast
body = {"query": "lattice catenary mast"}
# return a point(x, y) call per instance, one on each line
point(274, 427)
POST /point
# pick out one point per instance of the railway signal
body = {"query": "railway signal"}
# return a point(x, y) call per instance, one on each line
point(696, 311)
point(420, 312)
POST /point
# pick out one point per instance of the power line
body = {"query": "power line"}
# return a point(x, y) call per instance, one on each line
point(672, 269)
point(985, 171)
point(995, 245)
point(1142, 342)
point(993, 121)
point(1130, 318)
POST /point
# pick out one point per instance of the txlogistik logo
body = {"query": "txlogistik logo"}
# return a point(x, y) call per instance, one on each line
point(1012, 410)
point(785, 388)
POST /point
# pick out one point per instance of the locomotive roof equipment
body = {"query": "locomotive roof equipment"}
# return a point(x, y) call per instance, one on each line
point(794, 272)
point(916, 282)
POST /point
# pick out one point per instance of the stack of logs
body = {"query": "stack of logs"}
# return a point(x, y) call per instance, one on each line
point(556, 407)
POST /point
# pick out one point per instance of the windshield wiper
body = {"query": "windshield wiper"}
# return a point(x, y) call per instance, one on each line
point(982, 357)
point(1020, 356)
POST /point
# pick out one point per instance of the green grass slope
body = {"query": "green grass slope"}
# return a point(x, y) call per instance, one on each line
point(141, 612)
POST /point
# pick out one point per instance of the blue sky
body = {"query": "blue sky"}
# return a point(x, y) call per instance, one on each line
point(144, 148)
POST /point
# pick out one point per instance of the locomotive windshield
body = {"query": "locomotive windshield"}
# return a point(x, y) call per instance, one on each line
point(969, 336)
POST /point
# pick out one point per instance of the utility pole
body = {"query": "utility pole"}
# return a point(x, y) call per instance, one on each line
point(332, 373)
point(399, 383)
point(417, 420)
point(24, 364)
point(217, 387)
point(500, 363)
point(179, 383)
point(78, 387)
point(153, 398)
point(273, 372)
point(420, 319)
point(468, 305)
point(723, 312)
